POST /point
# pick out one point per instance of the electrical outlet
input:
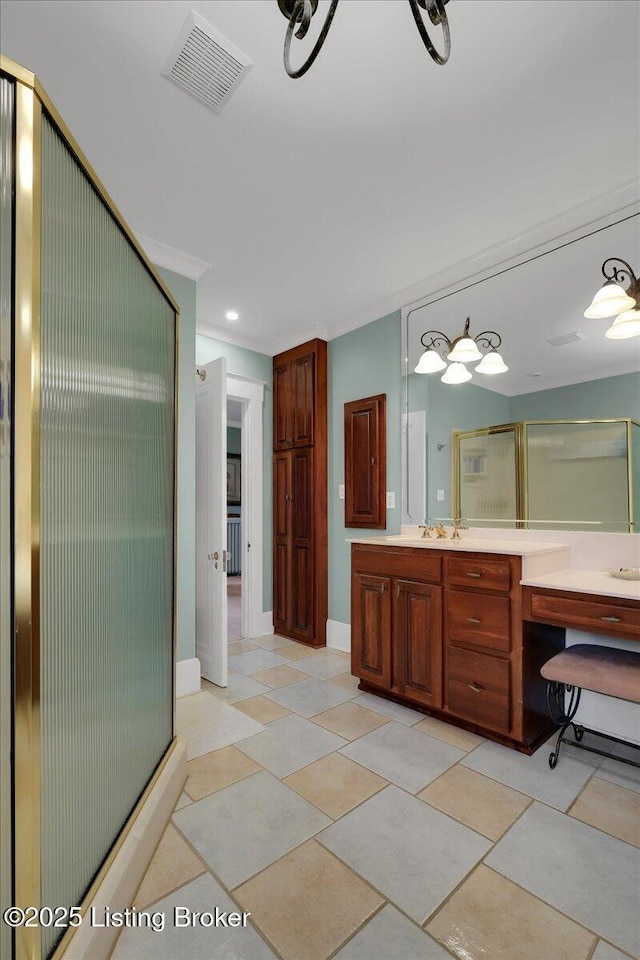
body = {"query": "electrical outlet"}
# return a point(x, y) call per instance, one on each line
point(440, 494)
point(391, 500)
point(341, 491)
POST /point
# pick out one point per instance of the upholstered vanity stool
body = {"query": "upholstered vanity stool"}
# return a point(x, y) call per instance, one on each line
point(614, 673)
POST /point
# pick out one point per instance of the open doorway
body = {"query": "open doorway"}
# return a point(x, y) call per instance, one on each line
point(224, 484)
point(235, 622)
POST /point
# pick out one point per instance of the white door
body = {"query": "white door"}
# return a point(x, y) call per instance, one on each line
point(211, 522)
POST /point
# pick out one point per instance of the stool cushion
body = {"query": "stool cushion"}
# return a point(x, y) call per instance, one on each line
point(615, 673)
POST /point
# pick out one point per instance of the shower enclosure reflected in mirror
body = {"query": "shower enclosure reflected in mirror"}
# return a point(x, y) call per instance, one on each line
point(554, 443)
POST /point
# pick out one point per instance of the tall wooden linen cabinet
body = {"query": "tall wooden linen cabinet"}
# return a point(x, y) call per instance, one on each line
point(300, 493)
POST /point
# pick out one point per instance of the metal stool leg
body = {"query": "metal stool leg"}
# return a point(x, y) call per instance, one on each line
point(561, 715)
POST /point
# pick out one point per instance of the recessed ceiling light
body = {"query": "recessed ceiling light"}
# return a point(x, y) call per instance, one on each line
point(232, 315)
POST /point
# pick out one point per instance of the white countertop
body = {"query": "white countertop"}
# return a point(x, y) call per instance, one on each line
point(520, 548)
point(587, 581)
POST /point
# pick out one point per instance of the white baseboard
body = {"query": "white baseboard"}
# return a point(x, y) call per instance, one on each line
point(187, 677)
point(339, 635)
point(118, 887)
point(267, 624)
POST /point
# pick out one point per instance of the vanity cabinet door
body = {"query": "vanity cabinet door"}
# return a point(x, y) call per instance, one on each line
point(371, 629)
point(417, 622)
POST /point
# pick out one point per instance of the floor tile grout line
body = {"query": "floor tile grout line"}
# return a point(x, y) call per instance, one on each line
point(494, 843)
point(228, 891)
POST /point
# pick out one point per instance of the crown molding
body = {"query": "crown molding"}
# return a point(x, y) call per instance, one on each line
point(316, 331)
point(597, 211)
point(171, 259)
point(214, 332)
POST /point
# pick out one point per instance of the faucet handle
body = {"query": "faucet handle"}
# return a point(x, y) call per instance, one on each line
point(426, 531)
point(457, 527)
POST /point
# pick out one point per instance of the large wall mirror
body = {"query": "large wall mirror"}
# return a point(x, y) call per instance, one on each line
point(554, 441)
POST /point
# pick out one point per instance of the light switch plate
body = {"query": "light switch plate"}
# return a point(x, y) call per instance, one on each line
point(341, 491)
point(440, 494)
point(391, 500)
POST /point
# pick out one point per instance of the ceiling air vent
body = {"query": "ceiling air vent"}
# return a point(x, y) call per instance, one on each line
point(574, 337)
point(205, 64)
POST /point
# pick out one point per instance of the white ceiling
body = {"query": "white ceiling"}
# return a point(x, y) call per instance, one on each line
point(320, 202)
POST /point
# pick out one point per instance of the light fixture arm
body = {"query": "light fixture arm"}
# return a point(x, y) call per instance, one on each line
point(614, 273)
point(438, 17)
point(301, 12)
point(489, 339)
point(437, 337)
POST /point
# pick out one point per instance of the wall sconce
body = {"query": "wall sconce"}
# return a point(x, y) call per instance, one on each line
point(612, 300)
point(464, 349)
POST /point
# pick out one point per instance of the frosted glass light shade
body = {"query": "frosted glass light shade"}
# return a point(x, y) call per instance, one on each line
point(464, 351)
point(608, 301)
point(430, 362)
point(492, 363)
point(626, 325)
point(456, 373)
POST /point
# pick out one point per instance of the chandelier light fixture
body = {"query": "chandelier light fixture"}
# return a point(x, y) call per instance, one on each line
point(464, 349)
point(612, 300)
point(300, 13)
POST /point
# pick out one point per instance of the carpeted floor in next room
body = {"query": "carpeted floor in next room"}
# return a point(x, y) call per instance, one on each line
point(356, 829)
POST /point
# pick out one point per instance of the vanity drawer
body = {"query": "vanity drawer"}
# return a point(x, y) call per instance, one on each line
point(618, 618)
point(479, 688)
point(478, 618)
point(490, 574)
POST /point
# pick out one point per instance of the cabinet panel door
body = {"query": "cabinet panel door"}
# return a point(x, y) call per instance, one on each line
point(281, 586)
point(365, 458)
point(418, 641)
point(302, 392)
point(302, 542)
point(282, 407)
point(371, 629)
point(281, 540)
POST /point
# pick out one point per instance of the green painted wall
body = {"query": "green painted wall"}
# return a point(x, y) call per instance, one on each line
point(361, 364)
point(595, 400)
point(249, 363)
point(184, 291)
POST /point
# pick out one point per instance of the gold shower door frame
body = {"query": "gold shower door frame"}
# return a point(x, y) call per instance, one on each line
point(520, 428)
point(30, 101)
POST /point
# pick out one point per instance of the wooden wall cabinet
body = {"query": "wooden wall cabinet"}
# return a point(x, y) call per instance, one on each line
point(300, 493)
point(443, 633)
point(365, 462)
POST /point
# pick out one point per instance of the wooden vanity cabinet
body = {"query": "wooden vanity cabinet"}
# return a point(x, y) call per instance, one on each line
point(442, 631)
point(396, 622)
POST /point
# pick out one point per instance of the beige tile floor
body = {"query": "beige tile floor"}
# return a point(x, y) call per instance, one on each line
point(326, 892)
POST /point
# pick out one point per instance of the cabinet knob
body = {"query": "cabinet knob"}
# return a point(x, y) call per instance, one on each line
point(611, 619)
point(473, 620)
point(475, 688)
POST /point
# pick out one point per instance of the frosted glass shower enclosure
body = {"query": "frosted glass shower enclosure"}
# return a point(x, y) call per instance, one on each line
point(88, 475)
point(553, 474)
